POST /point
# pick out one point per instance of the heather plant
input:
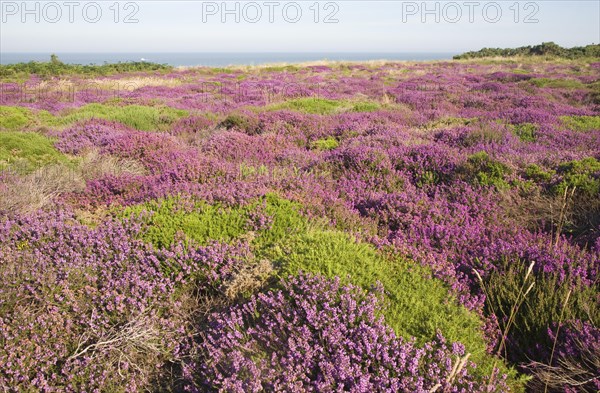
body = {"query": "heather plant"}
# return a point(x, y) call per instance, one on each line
point(576, 362)
point(315, 334)
point(91, 304)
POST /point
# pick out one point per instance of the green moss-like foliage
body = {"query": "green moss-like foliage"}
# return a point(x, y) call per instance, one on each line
point(145, 118)
point(583, 174)
point(24, 152)
point(581, 123)
point(328, 143)
point(483, 170)
point(322, 106)
point(417, 305)
point(14, 117)
point(526, 131)
point(558, 83)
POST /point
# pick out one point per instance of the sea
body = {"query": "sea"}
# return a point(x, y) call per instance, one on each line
point(218, 59)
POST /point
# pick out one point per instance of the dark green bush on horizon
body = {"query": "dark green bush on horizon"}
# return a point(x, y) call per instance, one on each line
point(544, 49)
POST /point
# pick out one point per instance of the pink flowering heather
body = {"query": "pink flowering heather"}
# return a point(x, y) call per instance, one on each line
point(315, 335)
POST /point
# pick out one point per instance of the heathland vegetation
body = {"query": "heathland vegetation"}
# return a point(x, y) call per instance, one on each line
point(547, 49)
point(374, 227)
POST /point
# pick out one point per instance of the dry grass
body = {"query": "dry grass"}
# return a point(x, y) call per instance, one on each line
point(133, 83)
point(249, 279)
point(567, 213)
point(579, 374)
point(324, 62)
point(36, 190)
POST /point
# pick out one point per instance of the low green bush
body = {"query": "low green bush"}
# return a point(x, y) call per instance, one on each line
point(583, 174)
point(558, 83)
point(145, 118)
point(328, 143)
point(55, 67)
point(526, 131)
point(416, 305)
point(538, 174)
point(14, 117)
point(322, 106)
point(581, 123)
point(483, 170)
point(24, 152)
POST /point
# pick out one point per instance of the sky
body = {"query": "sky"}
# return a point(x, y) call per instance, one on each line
point(292, 26)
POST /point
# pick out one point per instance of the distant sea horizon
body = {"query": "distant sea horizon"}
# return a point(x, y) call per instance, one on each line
point(214, 59)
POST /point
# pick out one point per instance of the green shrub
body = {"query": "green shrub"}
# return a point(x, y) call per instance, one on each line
point(328, 143)
point(416, 304)
point(26, 151)
point(558, 83)
point(583, 174)
point(319, 106)
point(241, 122)
point(322, 106)
point(481, 169)
point(538, 174)
point(282, 68)
point(581, 123)
point(365, 106)
point(548, 49)
point(448, 122)
point(55, 67)
point(526, 131)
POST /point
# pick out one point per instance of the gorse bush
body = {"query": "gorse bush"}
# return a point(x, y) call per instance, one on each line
point(544, 49)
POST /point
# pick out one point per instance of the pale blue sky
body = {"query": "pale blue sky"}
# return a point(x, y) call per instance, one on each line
point(362, 26)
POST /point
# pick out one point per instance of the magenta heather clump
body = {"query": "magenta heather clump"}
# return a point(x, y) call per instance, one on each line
point(316, 335)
